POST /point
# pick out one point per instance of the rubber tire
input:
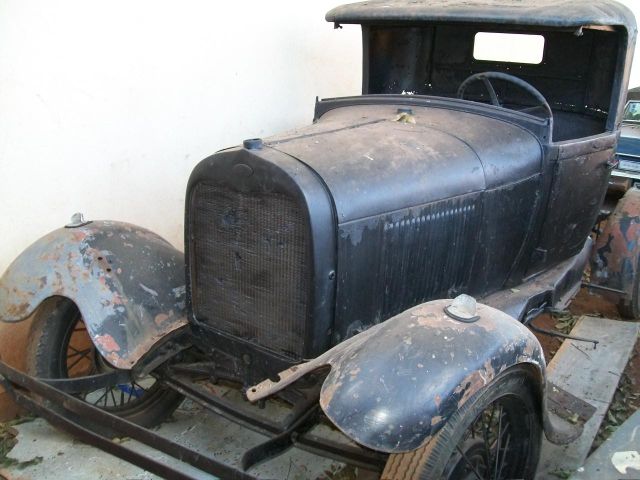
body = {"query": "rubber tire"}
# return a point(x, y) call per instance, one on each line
point(49, 332)
point(429, 461)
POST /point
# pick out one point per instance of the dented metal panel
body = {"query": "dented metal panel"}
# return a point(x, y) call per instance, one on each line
point(392, 387)
point(127, 282)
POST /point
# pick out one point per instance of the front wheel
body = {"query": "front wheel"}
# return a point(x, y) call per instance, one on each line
point(60, 347)
point(495, 435)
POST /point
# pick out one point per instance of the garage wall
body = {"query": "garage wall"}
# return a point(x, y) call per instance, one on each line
point(634, 5)
point(105, 107)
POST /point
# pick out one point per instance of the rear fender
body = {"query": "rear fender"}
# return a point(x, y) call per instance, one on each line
point(393, 387)
point(614, 263)
point(127, 282)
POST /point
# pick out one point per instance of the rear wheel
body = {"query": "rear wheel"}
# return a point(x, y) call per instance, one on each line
point(60, 347)
point(495, 435)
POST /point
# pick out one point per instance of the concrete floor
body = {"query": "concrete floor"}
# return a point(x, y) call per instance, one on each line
point(64, 457)
point(618, 458)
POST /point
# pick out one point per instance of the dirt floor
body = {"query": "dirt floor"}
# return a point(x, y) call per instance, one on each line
point(627, 397)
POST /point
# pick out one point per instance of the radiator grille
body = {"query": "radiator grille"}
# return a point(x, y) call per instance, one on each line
point(250, 277)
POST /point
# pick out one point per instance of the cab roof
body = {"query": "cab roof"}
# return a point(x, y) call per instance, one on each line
point(547, 13)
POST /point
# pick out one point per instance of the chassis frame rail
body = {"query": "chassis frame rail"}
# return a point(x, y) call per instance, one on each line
point(293, 430)
point(32, 394)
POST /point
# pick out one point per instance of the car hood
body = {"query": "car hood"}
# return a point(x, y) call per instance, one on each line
point(374, 159)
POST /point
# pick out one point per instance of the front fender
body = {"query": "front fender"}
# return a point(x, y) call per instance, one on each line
point(392, 387)
point(127, 282)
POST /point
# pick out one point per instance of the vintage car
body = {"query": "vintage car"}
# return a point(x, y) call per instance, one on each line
point(627, 173)
point(375, 271)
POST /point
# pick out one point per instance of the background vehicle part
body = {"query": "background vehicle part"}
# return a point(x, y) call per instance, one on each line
point(615, 263)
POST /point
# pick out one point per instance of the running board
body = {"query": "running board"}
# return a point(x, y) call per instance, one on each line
point(554, 288)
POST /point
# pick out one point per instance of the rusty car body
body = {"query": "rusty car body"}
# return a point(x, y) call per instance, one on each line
point(336, 267)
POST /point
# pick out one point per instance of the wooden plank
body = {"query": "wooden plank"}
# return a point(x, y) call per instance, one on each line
point(602, 463)
point(591, 374)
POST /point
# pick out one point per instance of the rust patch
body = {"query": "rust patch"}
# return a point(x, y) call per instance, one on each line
point(117, 299)
point(287, 377)
point(107, 342)
point(489, 373)
point(114, 359)
point(161, 318)
point(470, 385)
point(614, 260)
point(328, 392)
point(474, 382)
point(20, 310)
point(148, 342)
point(81, 265)
point(79, 235)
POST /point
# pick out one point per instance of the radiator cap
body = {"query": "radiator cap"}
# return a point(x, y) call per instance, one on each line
point(252, 144)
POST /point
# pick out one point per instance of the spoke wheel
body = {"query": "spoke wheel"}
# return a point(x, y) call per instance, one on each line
point(62, 348)
point(494, 447)
point(496, 435)
point(81, 359)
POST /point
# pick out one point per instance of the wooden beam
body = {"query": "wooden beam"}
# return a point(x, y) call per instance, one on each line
point(591, 374)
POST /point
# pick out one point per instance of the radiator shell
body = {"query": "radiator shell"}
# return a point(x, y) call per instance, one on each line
point(260, 248)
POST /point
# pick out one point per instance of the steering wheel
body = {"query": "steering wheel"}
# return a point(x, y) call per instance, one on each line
point(485, 78)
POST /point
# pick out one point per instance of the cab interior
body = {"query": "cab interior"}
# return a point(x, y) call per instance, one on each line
point(575, 70)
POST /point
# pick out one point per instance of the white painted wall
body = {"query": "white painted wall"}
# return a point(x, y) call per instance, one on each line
point(634, 5)
point(105, 107)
